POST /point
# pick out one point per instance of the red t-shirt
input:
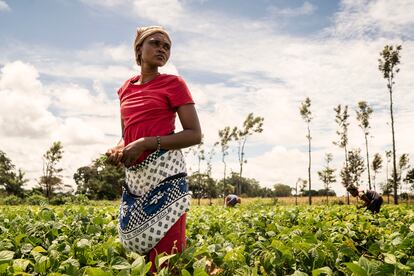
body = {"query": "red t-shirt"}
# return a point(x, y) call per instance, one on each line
point(149, 109)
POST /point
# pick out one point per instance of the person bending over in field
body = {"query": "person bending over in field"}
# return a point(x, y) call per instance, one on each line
point(371, 199)
point(232, 200)
point(152, 215)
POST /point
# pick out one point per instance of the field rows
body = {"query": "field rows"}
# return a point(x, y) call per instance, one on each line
point(251, 239)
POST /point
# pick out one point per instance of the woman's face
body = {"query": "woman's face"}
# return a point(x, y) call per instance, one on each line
point(155, 51)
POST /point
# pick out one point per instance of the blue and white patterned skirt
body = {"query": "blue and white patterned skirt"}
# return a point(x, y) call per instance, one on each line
point(154, 198)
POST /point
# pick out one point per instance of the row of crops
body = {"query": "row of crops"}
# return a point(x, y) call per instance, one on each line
point(253, 239)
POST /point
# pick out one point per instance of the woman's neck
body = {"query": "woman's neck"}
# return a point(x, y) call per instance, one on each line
point(148, 74)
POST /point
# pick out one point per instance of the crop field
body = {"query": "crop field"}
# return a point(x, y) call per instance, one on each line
point(251, 239)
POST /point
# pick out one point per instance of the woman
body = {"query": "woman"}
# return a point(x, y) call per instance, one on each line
point(372, 200)
point(155, 197)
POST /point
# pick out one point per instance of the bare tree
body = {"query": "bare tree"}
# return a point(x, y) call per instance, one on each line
point(363, 114)
point(307, 117)
point(388, 62)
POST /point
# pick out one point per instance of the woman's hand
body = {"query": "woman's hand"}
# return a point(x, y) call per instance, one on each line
point(115, 154)
point(133, 151)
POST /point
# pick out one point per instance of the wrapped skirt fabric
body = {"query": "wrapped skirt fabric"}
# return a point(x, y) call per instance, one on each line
point(154, 198)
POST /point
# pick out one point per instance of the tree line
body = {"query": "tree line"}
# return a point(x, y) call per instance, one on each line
point(354, 164)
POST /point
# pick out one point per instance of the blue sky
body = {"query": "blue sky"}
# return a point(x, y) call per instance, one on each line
point(62, 61)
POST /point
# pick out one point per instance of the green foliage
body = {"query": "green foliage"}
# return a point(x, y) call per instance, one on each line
point(51, 178)
point(282, 190)
point(36, 200)
point(326, 175)
point(12, 200)
point(100, 180)
point(388, 66)
point(10, 180)
point(351, 174)
point(251, 125)
point(248, 240)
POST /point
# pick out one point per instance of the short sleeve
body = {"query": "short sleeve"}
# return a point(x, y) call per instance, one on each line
point(178, 93)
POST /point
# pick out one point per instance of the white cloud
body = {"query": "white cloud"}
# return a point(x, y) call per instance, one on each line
point(24, 106)
point(4, 6)
point(306, 9)
point(33, 115)
point(364, 18)
point(261, 71)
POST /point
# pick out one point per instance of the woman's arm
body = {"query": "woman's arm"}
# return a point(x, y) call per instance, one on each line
point(189, 136)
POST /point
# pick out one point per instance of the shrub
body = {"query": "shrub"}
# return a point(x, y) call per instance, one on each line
point(36, 200)
point(12, 200)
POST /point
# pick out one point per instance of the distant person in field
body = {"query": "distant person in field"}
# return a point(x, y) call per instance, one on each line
point(371, 199)
point(232, 200)
point(152, 215)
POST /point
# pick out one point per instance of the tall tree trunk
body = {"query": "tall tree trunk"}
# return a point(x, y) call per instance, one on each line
point(393, 150)
point(369, 175)
point(224, 181)
point(346, 165)
point(241, 160)
point(309, 168)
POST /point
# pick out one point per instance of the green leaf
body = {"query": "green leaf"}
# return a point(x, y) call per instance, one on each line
point(322, 271)
point(364, 263)
point(356, 269)
point(93, 271)
point(160, 259)
point(3, 268)
point(412, 227)
point(184, 272)
point(389, 258)
point(298, 273)
point(6, 256)
point(199, 272)
point(120, 263)
point(20, 265)
point(39, 249)
point(83, 243)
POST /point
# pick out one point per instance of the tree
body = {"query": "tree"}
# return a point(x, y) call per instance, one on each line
point(307, 117)
point(327, 175)
point(282, 190)
point(386, 187)
point(388, 62)
point(212, 189)
point(376, 166)
point(51, 179)
point(363, 117)
point(351, 174)
point(199, 185)
point(341, 118)
point(250, 126)
point(403, 164)
point(301, 187)
point(409, 178)
point(11, 181)
point(225, 136)
point(249, 186)
point(100, 180)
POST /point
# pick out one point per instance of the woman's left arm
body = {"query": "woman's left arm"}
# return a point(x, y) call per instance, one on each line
point(189, 136)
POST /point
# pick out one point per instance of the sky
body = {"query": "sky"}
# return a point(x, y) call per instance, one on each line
point(61, 63)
